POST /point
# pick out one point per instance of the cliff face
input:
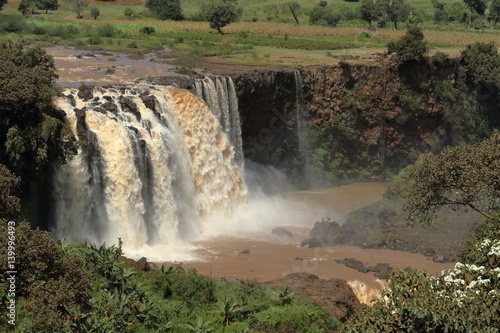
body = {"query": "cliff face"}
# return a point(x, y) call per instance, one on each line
point(266, 101)
point(364, 121)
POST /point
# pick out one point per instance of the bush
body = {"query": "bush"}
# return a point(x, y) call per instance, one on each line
point(94, 40)
point(106, 30)
point(301, 317)
point(52, 282)
point(323, 16)
point(132, 45)
point(147, 30)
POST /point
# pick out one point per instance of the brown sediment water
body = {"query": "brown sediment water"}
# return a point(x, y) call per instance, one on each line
point(105, 68)
point(267, 256)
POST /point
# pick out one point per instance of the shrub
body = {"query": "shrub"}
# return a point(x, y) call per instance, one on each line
point(147, 30)
point(94, 40)
point(52, 282)
point(132, 45)
point(106, 30)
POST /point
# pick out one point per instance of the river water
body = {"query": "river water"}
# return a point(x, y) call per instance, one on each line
point(265, 256)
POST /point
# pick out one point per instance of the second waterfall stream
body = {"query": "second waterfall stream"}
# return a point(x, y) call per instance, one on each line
point(153, 164)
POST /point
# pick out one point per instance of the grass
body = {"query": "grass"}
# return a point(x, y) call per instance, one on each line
point(273, 41)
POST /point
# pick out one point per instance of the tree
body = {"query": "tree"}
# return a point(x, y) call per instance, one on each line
point(440, 14)
point(476, 6)
point(79, 6)
point(220, 13)
point(2, 3)
point(463, 176)
point(94, 12)
point(323, 16)
point(165, 9)
point(128, 12)
point(294, 7)
point(480, 62)
point(494, 13)
point(47, 5)
point(9, 202)
point(26, 7)
point(394, 11)
point(410, 47)
point(32, 132)
point(369, 12)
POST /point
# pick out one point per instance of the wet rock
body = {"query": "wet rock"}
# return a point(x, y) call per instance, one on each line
point(128, 105)
point(381, 270)
point(313, 242)
point(281, 232)
point(138, 265)
point(111, 107)
point(324, 233)
point(81, 125)
point(334, 294)
point(245, 252)
point(354, 264)
point(85, 92)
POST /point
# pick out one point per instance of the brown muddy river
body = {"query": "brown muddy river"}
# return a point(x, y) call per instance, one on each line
point(265, 256)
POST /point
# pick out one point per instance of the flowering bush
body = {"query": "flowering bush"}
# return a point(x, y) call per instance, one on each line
point(463, 299)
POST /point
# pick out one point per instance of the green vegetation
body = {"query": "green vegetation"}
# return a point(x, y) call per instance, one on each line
point(220, 13)
point(467, 176)
point(410, 48)
point(465, 298)
point(165, 9)
point(65, 287)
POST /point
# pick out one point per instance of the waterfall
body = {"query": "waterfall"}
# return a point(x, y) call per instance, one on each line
point(153, 164)
point(302, 128)
point(220, 96)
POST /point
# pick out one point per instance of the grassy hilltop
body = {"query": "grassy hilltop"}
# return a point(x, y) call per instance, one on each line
point(265, 34)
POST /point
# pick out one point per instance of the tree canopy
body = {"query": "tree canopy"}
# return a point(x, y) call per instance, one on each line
point(2, 3)
point(220, 13)
point(480, 62)
point(410, 47)
point(32, 131)
point(369, 11)
point(394, 11)
point(459, 177)
point(165, 9)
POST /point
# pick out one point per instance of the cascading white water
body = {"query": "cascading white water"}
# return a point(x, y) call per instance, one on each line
point(220, 96)
point(302, 128)
point(153, 164)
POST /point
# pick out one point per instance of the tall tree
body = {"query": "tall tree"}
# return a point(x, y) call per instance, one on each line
point(294, 7)
point(79, 6)
point(476, 6)
point(47, 5)
point(464, 176)
point(26, 7)
point(369, 12)
point(165, 9)
point(494, 13)
point(32, 132)
point(394, 11)
point(94, 12)
point(2, 3)
point(220, 13)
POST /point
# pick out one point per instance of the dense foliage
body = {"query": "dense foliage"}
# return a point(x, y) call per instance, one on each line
point(68, 288)
point(33, 134)
point(165, 9)
point(220, 13)
point(409, 48)
point(466, 176)
point(32, 131)
point(322, 15)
